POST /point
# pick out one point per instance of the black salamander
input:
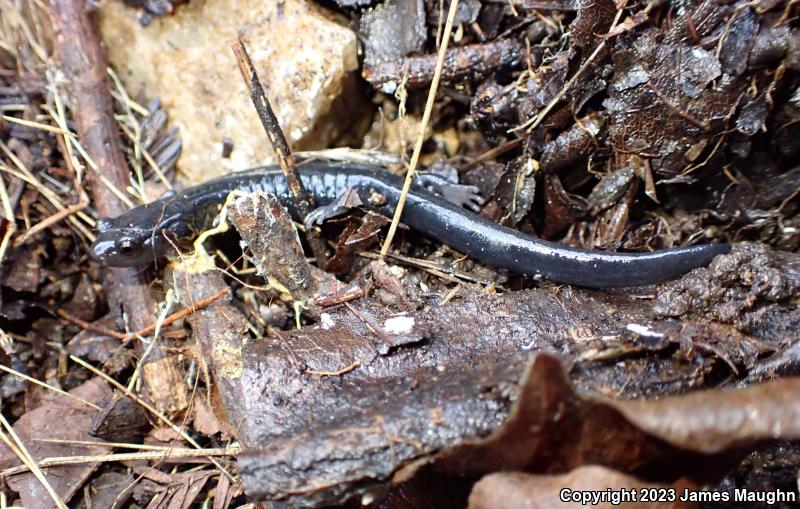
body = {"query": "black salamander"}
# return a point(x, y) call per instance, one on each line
point(138, 236)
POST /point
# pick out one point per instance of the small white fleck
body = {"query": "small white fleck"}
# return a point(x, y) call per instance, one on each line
point(643, 330)
point(326, 321)
point(389, 88)
point(399, 325)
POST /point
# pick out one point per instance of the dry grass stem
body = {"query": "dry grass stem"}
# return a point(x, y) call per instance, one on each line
point(49, 387)
point(426, 116)
point(147, 406)
point(14, 443)
point(168, 453)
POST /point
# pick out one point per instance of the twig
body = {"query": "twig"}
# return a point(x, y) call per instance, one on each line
point(349, 293)
point(111, 445)
point(19, 449)
point(453, 276)
point(28, 177)
point(59, 116)
point(168, 453)
point(46, 223)
point(493, 152)
point(165, 307)
point(473, 60)
point(147, 406)
point(82, 60)
point(90, 327)
point(426, 116)
point(35, 125)
point(272, 127)
point(149, 159)
point(137, 167)
point(177, 315)
point(338, 372)
point(49, 387)
point(8, 212)
point(84, 64)
point(144, 331)
point(531, 124)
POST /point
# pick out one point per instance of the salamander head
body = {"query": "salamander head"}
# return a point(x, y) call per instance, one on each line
point(136, 237)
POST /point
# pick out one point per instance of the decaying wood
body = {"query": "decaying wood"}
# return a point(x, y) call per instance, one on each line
point(345, 438)
point(303, 201)
point(220, 330)
point(461, 62)
point(82, 60)
point(84, 64)
point(161, 375)
point(273, 244)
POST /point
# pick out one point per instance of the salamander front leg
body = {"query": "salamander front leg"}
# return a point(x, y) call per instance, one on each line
point(455, 193)
point(347, 201)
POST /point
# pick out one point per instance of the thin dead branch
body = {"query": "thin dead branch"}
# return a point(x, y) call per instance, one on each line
point(303, 201)
point(84, 64)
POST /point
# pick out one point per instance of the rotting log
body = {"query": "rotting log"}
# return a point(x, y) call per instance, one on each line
point(81, 58)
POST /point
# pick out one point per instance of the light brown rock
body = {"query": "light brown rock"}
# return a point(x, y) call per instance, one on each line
point(304, 56)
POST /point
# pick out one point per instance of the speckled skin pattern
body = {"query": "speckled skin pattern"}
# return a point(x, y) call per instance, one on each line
point(138, 237)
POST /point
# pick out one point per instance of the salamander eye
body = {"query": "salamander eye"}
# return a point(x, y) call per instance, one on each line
point(126, 247)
